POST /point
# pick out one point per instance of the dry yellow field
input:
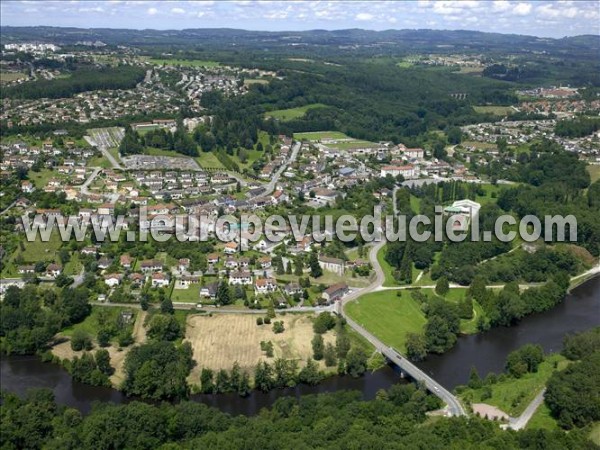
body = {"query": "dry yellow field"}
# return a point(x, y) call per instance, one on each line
point(221, 340)
point(117, 356)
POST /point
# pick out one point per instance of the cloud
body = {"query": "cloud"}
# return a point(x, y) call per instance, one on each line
point(364, 17)
point(152, 11)
point(522, 9)
point(501, 5)
point(178, 10)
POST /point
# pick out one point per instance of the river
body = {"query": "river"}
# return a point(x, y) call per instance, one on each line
point(487, 352)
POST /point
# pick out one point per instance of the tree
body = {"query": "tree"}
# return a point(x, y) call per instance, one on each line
point(244, 385)
point(103, 362)
point(223, 297)
point(323, 322)
point(356, 361)
point(164, 327)
point(416, 346)
point(572, 394)
point(103, 337)
point(442, 286)
point(525, 359)
point(318, 347)
point(263, 376)
point(315, 269)
point(222, 384)
point(298, 266)
point(342, 343)
point(438, 336)
point(166, 306)
point(206, 381)
point(310, 373)
point(329, 355)
point(474, 379)
point(80, 340)
point(278, 327)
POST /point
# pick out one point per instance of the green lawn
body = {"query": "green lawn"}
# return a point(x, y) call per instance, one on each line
point(542, 419)
point(160, 152)
point(594, 172)
point(487, 198)
point(388, 316)
point(40, 179)
point(349, 145)
point(387, 269)
point(189, 295)
point(99, 161)
point(293, 113)
point(514, 394)
point(184, 62)
point(41, 251)
point(73, 267)
point(318, 135)
point(595, 433)
point(415, 204)
point(496, 110)
point(208, 160)
point(92, 323)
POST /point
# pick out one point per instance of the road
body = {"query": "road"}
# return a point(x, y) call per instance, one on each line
point(110, 157)
point(270, 186)
point(520, 422)
point(8, 208)
point(85, 186)
point(455, 408)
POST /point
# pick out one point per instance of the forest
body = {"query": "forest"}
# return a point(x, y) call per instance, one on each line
point(342, 420)
point(122, 77)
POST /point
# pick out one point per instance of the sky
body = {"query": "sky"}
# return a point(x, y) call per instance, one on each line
point(538, 18)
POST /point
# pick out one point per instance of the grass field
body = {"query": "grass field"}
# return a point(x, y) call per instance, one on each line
point(388, 316)
point(40, 179)
point(318, 135)
point(496, 110)
point(514, 394)
point(251, 81)
point(387, 269)
point(542, 419)
point(293, 113)
point(183, 62)
point(479, 145)
point(189, 295)
point(160, 152)
point(595, 433)
point(223, 339)
point(208, 160)
point(7, 77)
point(349, 145)
point(594, 172)
point(489, 190)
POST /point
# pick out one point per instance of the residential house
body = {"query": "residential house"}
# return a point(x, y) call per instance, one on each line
point(407, 171)
point(113, 279)
point(126, 261)
point(231, 248)
point(242, 278)
point(292, 289)
point(264, 262)
point(209, 290)
point(151, 265)
point(265, 285)
point(53, 270)
point(335, 292)
point(334, 265)
point(159, 279)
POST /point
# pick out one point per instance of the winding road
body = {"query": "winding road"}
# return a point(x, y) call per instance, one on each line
point(455, 408)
